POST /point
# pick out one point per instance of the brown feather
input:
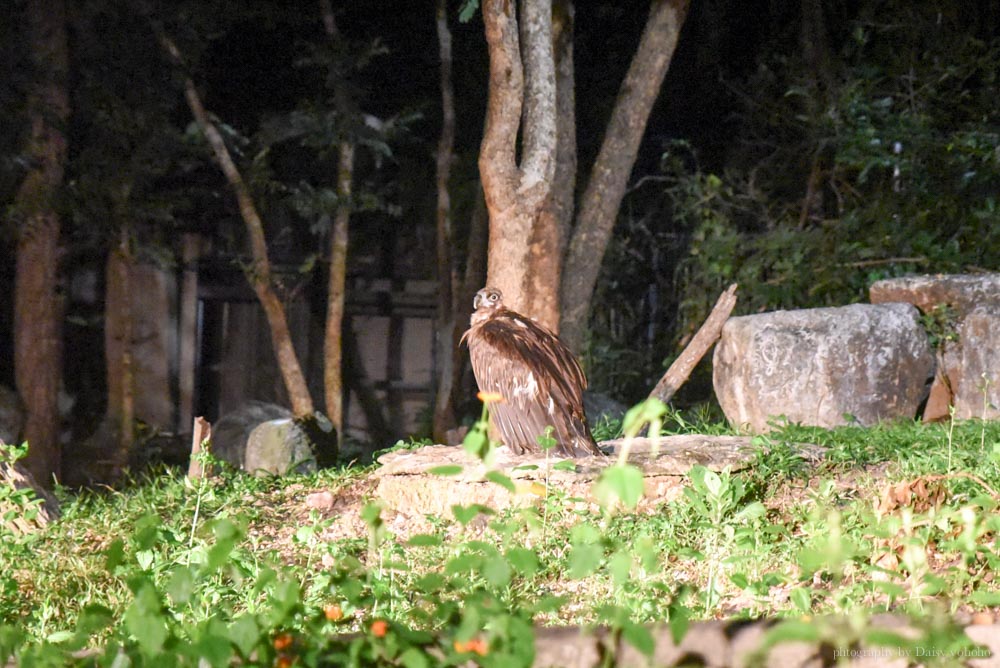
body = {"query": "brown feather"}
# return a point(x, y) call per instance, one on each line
point(539, 378)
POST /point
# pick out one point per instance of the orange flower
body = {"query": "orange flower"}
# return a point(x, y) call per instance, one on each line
point(490, 397)
point(283, 641)
point(379, 628)
point(333, 612)
point(474, 646)
point(284, 661)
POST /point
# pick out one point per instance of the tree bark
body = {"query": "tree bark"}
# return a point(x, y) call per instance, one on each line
point(551, 231)
point(516, 193)
point(118, 340)
point(608, 179)
point(333, 380)
point(259, 275)
point(38, 310)
point(447, 334)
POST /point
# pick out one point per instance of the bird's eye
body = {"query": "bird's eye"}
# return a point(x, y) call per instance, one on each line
point(493, 297)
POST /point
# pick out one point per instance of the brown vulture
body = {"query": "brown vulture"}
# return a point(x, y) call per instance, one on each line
point(536, 374)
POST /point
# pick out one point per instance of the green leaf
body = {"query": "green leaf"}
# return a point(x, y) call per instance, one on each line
point(802, 598)
point(414, 658)
point(523, 560)
point(584, 559)
point(181, 585)
point(639, 637)
point(145, 621)
point(429, 583)
point(565, 465)
point(465, 514)
point(424, 540)
point(496, 571)
point(584, 532)
point(679, 621)
point(621, 482)
point(467, 10)
point(620, 566)
point(445, 470)
point(114, 556)
point(990, 599)
point(791, 631)
point(502, 480)
point(244, 633)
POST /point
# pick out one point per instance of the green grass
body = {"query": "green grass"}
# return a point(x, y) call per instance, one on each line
point(238, 566)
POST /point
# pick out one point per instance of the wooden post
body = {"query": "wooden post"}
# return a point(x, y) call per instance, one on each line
point(200, 433)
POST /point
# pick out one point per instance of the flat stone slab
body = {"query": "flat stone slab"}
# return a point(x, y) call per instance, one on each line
point(962, 292)
point(407, 486)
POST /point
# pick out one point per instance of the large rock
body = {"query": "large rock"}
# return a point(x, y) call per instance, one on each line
point(231, 431)
point(279, 447)
point(966, 352)
point(976, 381)
point(816, 366)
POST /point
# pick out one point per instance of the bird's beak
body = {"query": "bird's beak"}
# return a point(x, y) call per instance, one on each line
point(475, 302)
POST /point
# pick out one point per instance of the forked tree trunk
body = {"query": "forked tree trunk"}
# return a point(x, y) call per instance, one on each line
point(259, 274)
point(522, 76)
point(609, 177)
point(38, 310)
point(550, 232)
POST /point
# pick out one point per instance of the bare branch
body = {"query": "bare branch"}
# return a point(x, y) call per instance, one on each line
point(707, 335)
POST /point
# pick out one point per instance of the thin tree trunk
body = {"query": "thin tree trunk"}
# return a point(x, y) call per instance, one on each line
point(333, 382)
point(447, 334)
point(515, 193)
point(118, 340)
point(259, 274)
point(333, 367)
point(38, 310)
point(609, 176)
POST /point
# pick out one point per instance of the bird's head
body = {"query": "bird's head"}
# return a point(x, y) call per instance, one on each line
point(488, 299)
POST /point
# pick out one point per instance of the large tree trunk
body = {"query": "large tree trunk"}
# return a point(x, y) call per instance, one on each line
point(448, 333)
point(259, 275)
point(609, 177)
point(38, 310)
point(516, 193)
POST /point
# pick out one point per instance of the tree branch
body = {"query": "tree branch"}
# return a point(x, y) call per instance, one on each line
point(706, 336)
point(609, 176)
point(260, 273)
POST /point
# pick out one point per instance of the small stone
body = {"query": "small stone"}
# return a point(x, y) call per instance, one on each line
point(320, 500)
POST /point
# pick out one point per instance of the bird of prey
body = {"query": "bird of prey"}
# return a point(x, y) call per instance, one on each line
point(536, 374)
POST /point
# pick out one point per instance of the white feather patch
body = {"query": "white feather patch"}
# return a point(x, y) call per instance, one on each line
point(528, 388)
